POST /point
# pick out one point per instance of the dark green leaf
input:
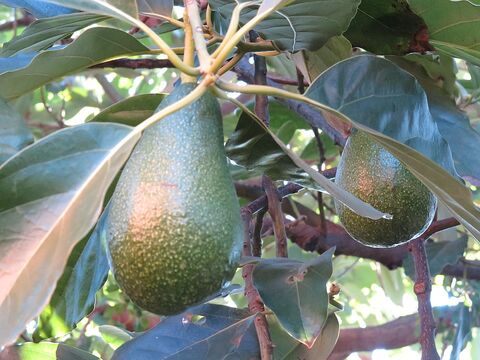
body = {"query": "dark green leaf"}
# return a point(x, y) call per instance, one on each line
point(131, 111)
point(52, 194)
point(74, 296)
point(297, 293)
point(384, 26)
point(92, 47)
point(14, 134)
point(453, 27)
point(287, 348)
point(439, 255)
point(291, 28)
point(45, 351)
point(45, 32)
point(202, 332)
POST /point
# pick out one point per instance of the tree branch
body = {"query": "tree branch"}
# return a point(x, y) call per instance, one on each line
point(275, 211)
point(135, 64)
point(423, 289)
point(255, 304)
point(24, 21)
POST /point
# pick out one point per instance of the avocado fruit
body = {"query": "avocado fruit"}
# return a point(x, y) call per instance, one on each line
point(374, 175)
point(174, 231)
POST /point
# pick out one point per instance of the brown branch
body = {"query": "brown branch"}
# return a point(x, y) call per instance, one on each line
point(392, 335)
point(423, 289)
point(285, 81)
point(321, 151)
point(135, 64)
point(260, 78)
point(255, 304)
point(10, 25)
point(257, 234)
point(275, 211)
point(440, 225)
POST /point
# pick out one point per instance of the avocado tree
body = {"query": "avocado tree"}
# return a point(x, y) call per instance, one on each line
point(172, 183)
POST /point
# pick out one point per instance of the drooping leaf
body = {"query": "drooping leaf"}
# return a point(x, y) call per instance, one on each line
point(287, 348)
point(384, 27)
point(14, 134)
point(202, 332)
point(52, 194)
point(297, 293)
point(74, 296)
point(155, 7)
point(39, 8)
point(440, 254)
point(131, 111)
point(301, 24)
point(92, 47)
point(257, 148)
point(453, 27)
point(102, 7)
point(45, 351)
point(313, 63)
point(374, 98)
point(43, 33)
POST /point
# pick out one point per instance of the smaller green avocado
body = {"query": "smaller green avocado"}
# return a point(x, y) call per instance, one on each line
point(375, 176)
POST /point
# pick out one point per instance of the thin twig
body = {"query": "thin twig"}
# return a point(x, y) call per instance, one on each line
point(255, 304)
point(57, 118)
point(257, 234)
point(440, 225)
point(109, 89)
point(136, 64)
point(423, 288)
point(197, 28)
point(260, 78)
point(321, 151)
point(24, 21)
point(275, 211)
point(189, 46)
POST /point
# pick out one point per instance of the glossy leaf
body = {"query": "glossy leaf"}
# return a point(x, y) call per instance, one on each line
point(93, 46)
point(384, 26)
point(46, 210)
point(202, 332)
point(440, 254)
point(74, 297)
point(43, 33)
point(297, 293)
point(290, 29)
point(131, 111)
point(155, 7)
point(45, 351)
point(287, 348)
point(313, 63)
point(257, 148)
point(102, 7)
point(453, 27)
point(14, 134)
point(39, 8)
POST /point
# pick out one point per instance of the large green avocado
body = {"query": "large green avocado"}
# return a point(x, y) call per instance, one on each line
point(174, 229)
point(375, 176)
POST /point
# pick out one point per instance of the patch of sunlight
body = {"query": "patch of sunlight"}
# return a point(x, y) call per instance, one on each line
point(82, 115)
point(440, 297)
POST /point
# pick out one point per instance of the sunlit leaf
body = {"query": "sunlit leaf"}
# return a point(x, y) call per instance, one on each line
point(45, 351)
point(297, 293)
point(39, 8)
point(92, 47)
point(155, 7)
point(52, 194)
point(102, 7)
point(114, 336)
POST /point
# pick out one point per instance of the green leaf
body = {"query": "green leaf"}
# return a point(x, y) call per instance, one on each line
point(155, 7)
point(313, 63)
point(463, 332)
point(440, 254)
point(102, 7)
point(43, 33)
point(131, 111)
point(114, 336)
point(92, 47)
point(372, 108)
point(74, 297)
point(202, 332)
point(290, 28)
point(384, 26)
point(14, 134)
point(256, 147)
point(52, 194)
point(45, 351)
point(287, 348)
point(297, 293)
point(453, 27)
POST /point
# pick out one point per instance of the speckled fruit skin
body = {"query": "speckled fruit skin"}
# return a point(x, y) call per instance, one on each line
point(375, 176)
point(174, 229)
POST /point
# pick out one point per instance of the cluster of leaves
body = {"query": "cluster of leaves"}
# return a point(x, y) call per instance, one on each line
point(53, 256)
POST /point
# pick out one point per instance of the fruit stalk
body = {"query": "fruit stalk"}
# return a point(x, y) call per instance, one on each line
point(422, 289)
